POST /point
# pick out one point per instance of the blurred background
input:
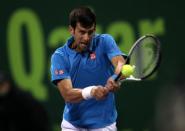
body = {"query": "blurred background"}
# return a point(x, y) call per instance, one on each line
point(30, 30)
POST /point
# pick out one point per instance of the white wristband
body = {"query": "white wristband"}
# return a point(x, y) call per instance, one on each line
point(86, 92)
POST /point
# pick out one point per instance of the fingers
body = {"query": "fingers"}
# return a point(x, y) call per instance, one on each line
point(99, 92)
point(109, 85)
point(112, 85)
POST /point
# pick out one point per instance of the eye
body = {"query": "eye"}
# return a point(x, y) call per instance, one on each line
point(90, 32)
point(82, 32)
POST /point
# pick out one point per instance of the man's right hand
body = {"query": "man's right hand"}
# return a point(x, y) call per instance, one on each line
point(99, 92)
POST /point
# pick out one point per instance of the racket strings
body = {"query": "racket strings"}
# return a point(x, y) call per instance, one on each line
point(144, 56)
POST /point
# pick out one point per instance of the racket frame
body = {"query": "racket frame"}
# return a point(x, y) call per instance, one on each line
point(131, 78)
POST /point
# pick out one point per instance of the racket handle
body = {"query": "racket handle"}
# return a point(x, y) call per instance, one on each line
point(117, 77)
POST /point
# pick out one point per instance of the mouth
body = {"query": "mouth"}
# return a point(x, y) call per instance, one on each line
point(84, 45)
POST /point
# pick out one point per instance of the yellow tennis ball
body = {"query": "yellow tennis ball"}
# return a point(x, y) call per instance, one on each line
point(127, 70)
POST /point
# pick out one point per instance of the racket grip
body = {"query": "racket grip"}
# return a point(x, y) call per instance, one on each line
point(117, 77)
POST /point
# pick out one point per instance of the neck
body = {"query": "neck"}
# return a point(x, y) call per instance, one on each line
point(74, 47)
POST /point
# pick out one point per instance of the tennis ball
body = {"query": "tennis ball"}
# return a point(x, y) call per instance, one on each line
point(127, 70)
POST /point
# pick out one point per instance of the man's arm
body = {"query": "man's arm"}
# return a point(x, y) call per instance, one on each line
point(118, 62)
point(74, 95)
point(69, 94)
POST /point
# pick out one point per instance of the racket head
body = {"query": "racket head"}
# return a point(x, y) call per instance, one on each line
point(145, 55)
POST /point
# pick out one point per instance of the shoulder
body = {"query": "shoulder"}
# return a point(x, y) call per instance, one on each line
point(60, 56)
point(104, 40)
point(63, 50)
point(104, 37)
point(59, 52)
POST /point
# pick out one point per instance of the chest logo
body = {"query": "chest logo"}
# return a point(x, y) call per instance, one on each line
point(93, 56)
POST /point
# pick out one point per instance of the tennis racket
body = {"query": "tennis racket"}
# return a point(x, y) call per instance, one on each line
point(145, 55)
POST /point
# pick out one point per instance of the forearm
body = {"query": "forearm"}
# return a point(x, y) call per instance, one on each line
point(73, 95)
point(76, 95)
point(70, 94)
point(118, 62)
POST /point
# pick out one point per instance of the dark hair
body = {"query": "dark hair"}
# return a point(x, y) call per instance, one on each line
point(84, 15)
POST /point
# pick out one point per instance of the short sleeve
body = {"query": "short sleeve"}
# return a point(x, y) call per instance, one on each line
point(58, 68)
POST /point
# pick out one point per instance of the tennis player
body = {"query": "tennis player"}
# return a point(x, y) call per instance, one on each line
point(83, 71)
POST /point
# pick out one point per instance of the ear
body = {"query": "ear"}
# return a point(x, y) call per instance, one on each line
point(71, 30)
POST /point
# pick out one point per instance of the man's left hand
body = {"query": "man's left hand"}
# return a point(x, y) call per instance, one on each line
point(112, 85)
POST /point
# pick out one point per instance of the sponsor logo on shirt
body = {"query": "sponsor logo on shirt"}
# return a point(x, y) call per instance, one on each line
point(59, 72)
point(93, 56)
point(56, 72)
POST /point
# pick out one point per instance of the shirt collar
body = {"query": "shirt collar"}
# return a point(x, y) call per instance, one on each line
point(68, 43)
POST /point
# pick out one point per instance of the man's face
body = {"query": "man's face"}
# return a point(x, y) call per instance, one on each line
point(82, 36)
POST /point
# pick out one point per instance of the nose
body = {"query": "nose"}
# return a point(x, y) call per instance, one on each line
point(86, 37)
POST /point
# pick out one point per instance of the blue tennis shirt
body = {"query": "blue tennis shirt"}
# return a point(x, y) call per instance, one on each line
point(92, 67)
